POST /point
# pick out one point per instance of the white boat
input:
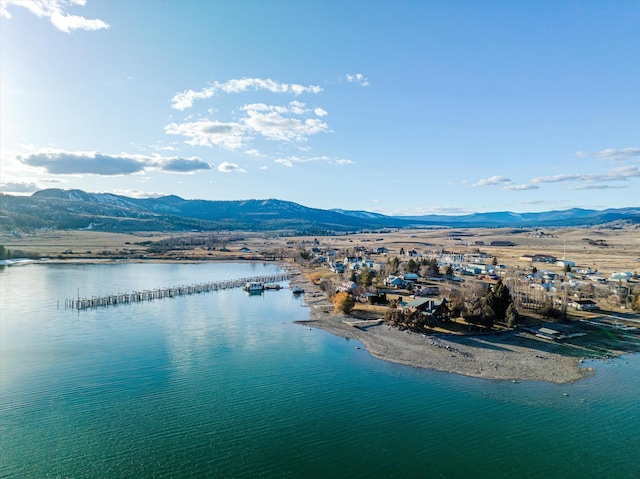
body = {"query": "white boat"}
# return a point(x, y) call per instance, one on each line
point(254, 287)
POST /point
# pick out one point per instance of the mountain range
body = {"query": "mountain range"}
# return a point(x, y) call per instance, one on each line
point(77, 209)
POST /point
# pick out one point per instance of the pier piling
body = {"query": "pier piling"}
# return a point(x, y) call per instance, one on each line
point(79, 303)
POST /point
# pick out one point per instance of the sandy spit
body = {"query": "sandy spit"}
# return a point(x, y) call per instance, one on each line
point(506, 356)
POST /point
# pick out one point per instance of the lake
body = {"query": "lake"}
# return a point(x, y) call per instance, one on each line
point(224, 384)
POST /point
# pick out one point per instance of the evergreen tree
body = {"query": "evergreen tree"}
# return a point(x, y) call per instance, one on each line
point(498, 298)
point(512, 316)
point(366, 277)
point(488, 316)
point(411, 266)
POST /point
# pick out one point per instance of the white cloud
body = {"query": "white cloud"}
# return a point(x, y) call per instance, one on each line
point(55, 11)
point(209, 133)
point(343, 162)
point(185, 99)
point(59, 162)
point(522, 187)
point(132, 193)
point(594, 181)
point(19, 187)
point(226, 167)
point(358, 78)
point(274, 126)
point(181, 165)
point(598, 187)
point(284, 162)
point(255, 152)
point(493, 181)
point(289, 161)
point(622, 173)
point(618, 155)
point(273, 122)
point(431, 210)
point(320, 112)
point(555, 179)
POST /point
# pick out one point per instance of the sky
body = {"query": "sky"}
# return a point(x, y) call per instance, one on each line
point(397, 107)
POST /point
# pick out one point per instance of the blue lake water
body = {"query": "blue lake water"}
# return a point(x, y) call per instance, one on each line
point(224, 384)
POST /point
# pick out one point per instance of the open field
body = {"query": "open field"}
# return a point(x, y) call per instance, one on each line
point(608, 251)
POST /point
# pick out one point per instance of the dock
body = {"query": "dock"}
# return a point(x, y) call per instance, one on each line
point(363, 323)
point(169, 292)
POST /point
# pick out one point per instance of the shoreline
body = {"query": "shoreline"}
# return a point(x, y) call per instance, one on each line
point(504, 356)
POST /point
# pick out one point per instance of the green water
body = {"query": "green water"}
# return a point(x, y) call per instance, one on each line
point(225, 385)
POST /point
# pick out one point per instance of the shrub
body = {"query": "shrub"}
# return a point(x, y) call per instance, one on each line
point(343, 303)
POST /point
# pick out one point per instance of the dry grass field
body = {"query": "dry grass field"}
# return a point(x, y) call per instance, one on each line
point(604, 250)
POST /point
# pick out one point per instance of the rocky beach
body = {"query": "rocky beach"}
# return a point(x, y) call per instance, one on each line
point(503, 356)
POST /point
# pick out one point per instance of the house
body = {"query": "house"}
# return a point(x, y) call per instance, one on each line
point(472, 270)
point(426, 305)
point(584, 304)
point(348, 287)
point(338, 268)
point(395, 282)
point(376, 298)
point(481, 267)
point(621, 276)
point(565, 262)
point(410, 277)
point(538, 258)
point(429, 291)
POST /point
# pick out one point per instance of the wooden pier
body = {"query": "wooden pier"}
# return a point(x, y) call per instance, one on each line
point(170, 292)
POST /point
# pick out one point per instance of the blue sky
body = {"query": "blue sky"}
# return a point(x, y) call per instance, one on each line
point(396, 107)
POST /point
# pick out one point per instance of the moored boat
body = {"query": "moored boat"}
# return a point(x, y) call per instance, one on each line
point(254, 287)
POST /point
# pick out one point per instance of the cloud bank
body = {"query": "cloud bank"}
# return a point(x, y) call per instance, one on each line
point(58, 162)
point(185, 99)
point(294, 122)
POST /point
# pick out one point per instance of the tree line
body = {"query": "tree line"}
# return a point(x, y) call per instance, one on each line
point(6, 253)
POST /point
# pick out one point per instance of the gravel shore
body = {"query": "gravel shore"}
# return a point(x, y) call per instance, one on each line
point(505, 356)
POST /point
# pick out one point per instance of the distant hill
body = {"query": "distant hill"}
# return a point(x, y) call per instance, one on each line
point(74, 209)
point(571, 217)
point(77, 209)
